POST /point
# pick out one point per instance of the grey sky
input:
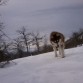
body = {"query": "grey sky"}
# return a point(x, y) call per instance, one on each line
point(44, 16)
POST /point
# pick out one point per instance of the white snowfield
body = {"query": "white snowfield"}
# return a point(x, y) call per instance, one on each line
point(46, 68)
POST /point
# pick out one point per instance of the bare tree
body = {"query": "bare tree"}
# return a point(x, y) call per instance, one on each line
point(18, 46)
point(1, 28)
point(24, 35)
point(6, 46)
point(3, 2)
point(45, 46)
point(1, 34)
point(5, 55)
point(75, 39)
point(36, 39)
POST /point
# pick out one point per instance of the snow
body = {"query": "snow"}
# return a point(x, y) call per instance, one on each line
point(46, 68)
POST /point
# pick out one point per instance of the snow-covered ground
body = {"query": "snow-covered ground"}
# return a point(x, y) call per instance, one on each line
point(45, 68)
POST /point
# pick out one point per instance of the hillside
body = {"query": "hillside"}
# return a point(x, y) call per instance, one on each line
point(45, 68)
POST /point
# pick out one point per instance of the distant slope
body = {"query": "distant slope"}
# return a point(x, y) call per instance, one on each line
point(45, 68)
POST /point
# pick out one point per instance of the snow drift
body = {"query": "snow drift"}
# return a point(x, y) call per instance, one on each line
point(46, 68)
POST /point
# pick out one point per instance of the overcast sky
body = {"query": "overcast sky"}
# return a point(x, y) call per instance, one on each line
point(44, 16)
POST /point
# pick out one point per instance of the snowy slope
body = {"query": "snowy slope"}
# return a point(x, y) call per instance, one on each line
point(45, 68)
